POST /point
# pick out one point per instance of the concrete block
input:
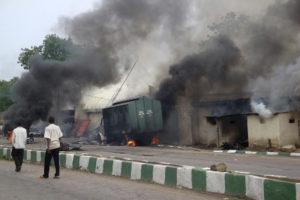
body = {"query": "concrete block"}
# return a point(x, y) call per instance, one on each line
point(184, 177)
point(159, 174)
point(297, 191)
point(215, 182)
point(84, 162)
point(92, 164)
point(117, 166)
point(99, 165)
point(69, 160)
point(235, 184)
point(38, 156)
point(136, 171)
point(28, 156)
point(126, 169)
point(255, 187)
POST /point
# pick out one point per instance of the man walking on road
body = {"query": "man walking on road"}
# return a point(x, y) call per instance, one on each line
point(53, 136)
point(19, 136)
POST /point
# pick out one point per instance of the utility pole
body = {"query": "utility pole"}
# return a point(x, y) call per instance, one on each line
point(119, 90)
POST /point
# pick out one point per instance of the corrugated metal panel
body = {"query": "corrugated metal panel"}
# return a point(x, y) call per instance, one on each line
point(80, 127)
point(149, 114)
point(141, 115)
point(136, 117)
point(157, 114)
point(132, 117)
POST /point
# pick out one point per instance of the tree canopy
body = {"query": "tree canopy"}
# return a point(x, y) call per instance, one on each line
point(5, 95)
point(53, 48)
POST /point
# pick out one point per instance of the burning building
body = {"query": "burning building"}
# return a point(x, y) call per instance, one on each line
point(243, 51)
point(279, 130)
point(237, 123)
point(255, 57)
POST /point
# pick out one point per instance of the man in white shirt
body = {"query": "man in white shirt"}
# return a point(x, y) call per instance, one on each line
point(53, 136)
point(19, 137)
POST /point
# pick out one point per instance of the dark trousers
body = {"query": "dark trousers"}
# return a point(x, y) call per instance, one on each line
point(17, 155)
point(55, 154)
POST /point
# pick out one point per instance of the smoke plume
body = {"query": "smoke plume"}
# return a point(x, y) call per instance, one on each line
point(109, 36)
point(261, 109)
point(238, 53)
point(259, 51)
point(52, 85)
point(219, 59)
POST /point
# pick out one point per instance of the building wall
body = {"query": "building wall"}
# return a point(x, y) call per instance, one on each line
point(216, 131)
point(289, 130)
point(80, 113)
point(207, 128)
point(185, 126)
point(275, 128)
point(195, 128)
point(261, 131)
point(282, 129)
point(95, 118)
point(93, 115)
point(207, 132)
point(234, 129)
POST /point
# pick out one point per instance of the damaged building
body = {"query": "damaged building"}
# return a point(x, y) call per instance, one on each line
point(234, 122)
point(279, 130)
point(238, 53)
point(86, 120)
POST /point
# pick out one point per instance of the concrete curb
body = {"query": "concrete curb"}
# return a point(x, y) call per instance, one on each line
point(258, 153)
point(175, 176)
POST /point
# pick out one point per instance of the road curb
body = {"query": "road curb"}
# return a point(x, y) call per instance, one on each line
point(174, 176)
point(258, 153)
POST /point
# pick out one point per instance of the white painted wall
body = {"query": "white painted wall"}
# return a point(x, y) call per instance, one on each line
point(259, 133)
point(288, 131)
point(278, 129)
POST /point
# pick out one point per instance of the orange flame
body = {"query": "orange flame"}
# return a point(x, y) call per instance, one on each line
point(131, 143)
point(155, 140)
point(10, 135)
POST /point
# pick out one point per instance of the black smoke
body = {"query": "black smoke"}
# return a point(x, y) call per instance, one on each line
point(52, 85)
point(118, 24)
point(105, 37)
point(243, 55)
point(217, 62)
point(239, 51)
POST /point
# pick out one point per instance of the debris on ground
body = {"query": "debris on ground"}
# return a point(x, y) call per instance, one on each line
point(93, 142)
point(288, 148)
point(220, 167)
point(30, 140)
point(69, 147)
point(237, 145)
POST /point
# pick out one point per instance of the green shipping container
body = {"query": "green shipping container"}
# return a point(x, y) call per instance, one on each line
point(139, 118)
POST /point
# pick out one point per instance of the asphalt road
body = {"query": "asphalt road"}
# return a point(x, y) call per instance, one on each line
point(77, 185)
point(268, 165)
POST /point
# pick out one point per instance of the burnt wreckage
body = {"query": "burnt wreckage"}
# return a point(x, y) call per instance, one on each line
point(133, 121)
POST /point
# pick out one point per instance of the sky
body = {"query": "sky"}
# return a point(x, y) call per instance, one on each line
point(25, 23)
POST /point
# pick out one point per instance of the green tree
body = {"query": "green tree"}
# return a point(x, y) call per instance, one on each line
point(53, 48)
point(5, 95)
point(27, 53)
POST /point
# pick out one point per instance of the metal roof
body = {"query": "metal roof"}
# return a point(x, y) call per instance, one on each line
point(222, 108)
